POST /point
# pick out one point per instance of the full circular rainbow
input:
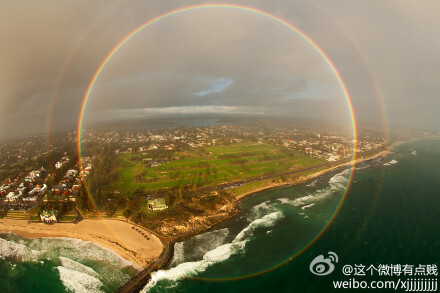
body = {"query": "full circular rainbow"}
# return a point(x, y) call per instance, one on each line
point(254, 11)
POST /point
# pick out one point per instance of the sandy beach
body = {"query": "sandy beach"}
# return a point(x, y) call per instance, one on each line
point(113, 234)
point(119, 236)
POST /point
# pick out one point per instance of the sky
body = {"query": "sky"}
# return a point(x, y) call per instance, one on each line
point(217, 61)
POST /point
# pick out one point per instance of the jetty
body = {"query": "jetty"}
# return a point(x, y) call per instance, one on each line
point(138, 282)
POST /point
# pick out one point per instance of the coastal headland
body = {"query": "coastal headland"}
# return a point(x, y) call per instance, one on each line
point(147, 250)
point(132, 242)
point(305, 178)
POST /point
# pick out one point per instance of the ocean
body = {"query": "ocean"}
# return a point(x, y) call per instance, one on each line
point(59, 265)
point(389, 217)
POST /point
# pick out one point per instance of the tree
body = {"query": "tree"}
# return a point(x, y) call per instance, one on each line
point(110, 210)
point(127, 213)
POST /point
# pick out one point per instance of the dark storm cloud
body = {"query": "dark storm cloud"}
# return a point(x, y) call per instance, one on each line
point(217, 60)
point(260, 63)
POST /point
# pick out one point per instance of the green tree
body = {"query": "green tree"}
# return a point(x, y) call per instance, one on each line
point(127, 213)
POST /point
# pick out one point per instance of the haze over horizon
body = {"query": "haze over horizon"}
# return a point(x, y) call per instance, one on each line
point(218, 61)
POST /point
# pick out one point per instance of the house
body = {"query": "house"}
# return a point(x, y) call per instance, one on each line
point(157, 204)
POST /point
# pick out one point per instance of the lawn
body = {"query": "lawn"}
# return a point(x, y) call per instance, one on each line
point(217, 165)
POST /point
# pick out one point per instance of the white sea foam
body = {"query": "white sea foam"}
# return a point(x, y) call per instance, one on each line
point(17, 251)
point(185, 269)
point(262, 206)
point(392, 162)
point(284, 200)
point(75, 248)
point(266, 221)
point(199, 245)
point(216, 255)
point(337, 183)
point(306, 200)
point(312, 184)
point(214, 238)
point(179, 254)
point(79, 282)
point(362, 167)
point(260, 210)
point(307, 206)
point(70, 252)
point(414, 153)
point(76, 266)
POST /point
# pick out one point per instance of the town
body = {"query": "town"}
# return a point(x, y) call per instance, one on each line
point(43, 178)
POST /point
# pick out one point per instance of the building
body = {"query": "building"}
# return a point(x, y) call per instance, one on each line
point(157, 204)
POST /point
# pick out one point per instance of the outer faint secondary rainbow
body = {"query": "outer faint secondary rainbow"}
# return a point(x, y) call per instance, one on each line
point(67, 63)
point(366, 63)
point(245, 9)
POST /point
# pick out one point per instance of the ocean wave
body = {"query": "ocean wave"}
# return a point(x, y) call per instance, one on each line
point(70, 254)
point(260, 210)
point(392, 162)
point(312, 184)
point(199, 246)
point(262, 206)
point(362, 167)
point(76, 266)
point(306, 200)
point(307, 206)
point(266, 221)
point(216, 255)
point(284, 200)
point(179, 254)
point(79, 282)
point(186, 269)
point(79, 249)
point(336, 183)
point(339, 181)
point(18, 251)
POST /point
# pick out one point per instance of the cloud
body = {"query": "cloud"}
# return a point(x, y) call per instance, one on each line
point(170, 112)
point(218, 58)
point(216, 86)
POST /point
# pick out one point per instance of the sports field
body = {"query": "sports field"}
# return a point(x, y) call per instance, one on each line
point(211, 166)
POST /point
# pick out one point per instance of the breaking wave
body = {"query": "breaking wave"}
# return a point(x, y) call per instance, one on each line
point(79, 282)
point(312, 184)
point(186, 269)
point(83, 266)
point(18, 252)
point(337, 183)
point(266, 221)
point(307, 206)
point(213, 256)
point(392, 162)
point(179, 254)
point(76, 266)
point(187, 252)
point(260, 210)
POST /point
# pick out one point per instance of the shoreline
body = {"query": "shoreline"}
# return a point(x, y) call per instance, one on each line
point(299, 180)
point(306, 178)
point(108, 233)
point(115, 235)
point(101, 231)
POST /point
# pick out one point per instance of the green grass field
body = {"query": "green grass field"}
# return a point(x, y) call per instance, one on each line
point(17, 215)
point(217, 165)
point(69, 217)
